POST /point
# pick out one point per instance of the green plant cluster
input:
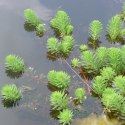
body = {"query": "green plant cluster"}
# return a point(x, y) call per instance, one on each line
point(62, 47)
point(75, 62)
point(95, 29)
point(33, 20)
point(11, 93)
point(59, 99)
point(103, 57)
point(62, 23)
point(14, 64)
point(59, 79)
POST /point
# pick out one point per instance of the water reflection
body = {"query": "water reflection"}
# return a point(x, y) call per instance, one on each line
point(9, 104)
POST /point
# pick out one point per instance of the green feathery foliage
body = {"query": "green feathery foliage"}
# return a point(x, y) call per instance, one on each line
point(101, 56)
point(11, 93)
point(75, 62)
point(119, 82)
point(88, 61)
point(83, 48)
point(31, 17)
point(62, 23)
point(112, 100)
point(67, 44)
point(114, 27)
point(122, 33)
point(95, 29)
point(99, 84)
point(123, 58)
point(40, 28)
point(80, 94)
point(59, 79)
point(14, 64)
point(65, 117)
point(108, 73)
point(53, 45)
point(123, 110)
point(59, 100)
point(115, 59)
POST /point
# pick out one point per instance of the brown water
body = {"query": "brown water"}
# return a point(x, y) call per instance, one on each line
point(34, 108)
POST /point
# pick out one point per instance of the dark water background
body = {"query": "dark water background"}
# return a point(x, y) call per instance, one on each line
point(34, 108)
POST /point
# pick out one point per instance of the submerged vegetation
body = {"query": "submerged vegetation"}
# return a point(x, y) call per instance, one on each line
point(11, 93)
point(106, 66)
point(95, 30)
point(14, 64)
point(62, 23)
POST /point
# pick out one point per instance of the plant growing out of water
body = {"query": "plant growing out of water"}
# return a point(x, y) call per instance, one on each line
point(53, 45)
point(112, 100)
point(40, 29)
point(59, 100)
point(65, 117)
point(61, 22)
point(67, 45)
point(122, 15)
point(95, 29)
point(108, 73)
point(83, 48)
point(99, 84)
point(31, 17)
point(59, 79)
point(14, 64)
point(11, 93)
point(75, 62)
point(62, 47)
point(80, 94)
point(119, 82)
point(114, 27)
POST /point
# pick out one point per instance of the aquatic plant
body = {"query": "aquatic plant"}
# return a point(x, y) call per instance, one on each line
point(11, 93)
point(108, 73)
point(31, 17)
point(95, 29)
point(40, 29)
point(122, 15)
point(114, 59)
point(65, 117)
point(53, 45)
point(59, 79)
point(14, 64)
point(114, 27)
point(119, 82)
point(101, 56)
point(80, 94)
point(83, 47)
point(67, 45)
point(62, 23)
point(99, 84)
point(88, 61)
point(75, 62)
point(112, 100)
point(59, 100)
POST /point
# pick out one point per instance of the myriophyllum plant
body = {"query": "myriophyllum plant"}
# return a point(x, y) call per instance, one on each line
point(59, 100)
point(114, 27)
point(119, 82)
point(11, 93)
point(61, 22)
point(80, 94)
point(112, 100)
point(65, 117)
point(95, 29)
point(40, 29)
point(83, 47)
point(14, 64)
point(59, 79)
point(99, 84)
point(75, 62)
point(31, 17)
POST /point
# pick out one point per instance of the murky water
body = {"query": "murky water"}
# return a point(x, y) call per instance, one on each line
point(34, 108)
